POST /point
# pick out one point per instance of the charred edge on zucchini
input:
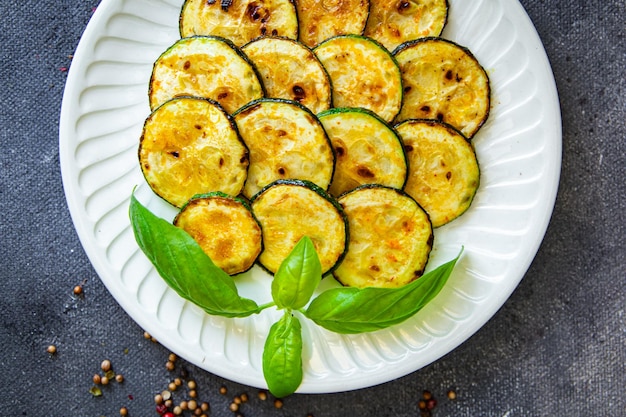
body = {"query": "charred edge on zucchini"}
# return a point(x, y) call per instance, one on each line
point(330, 235)
point(232, 93)
point(448, 107)
point(395, 22)
point(374, 81)
point(240, 22)
point(319, 21)
point(279, 151)
point(167, 150)
point(367, 149)
point(225, 228)
point(385, 251)
point(290, 70)
point(444, 188)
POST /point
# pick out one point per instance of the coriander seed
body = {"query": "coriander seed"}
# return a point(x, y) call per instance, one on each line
point(192, 405)
point(97, 379)
point(451, 395)
point(105, 365)
point(278, 403)
point(191, 384)
point(169, 365)
point(158, 399)
point(123, 411)
point(119, 378)
point(262, 395)
point(51, 349)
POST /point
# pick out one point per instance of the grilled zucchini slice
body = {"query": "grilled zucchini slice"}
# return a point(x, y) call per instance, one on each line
point(444, 173)
point(320, 20)
point(291, 209)
point(443, 81)
point(290, 70)
point(390, 238)
point(286, 141)
point(205, 66)
point(240, 20)
point(363, 74)
point(190, 146)
point(368, 150)
point(394, 22)
point(225, 229)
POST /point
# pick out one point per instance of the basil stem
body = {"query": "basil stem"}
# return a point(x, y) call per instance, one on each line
point(354, 310)
point(282, 356)
point(185, 267)
point(297, 277)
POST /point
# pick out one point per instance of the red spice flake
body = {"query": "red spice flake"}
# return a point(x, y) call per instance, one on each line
point(63, 69)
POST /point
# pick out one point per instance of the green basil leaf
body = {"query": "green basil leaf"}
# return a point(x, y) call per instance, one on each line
point(354, 310)
point(282, 356)
point(185, 267)
point(297, 277)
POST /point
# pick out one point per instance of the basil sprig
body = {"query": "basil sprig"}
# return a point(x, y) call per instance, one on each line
point(185, 267)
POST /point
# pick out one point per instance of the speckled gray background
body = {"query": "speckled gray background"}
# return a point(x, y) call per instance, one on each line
point(556, 348)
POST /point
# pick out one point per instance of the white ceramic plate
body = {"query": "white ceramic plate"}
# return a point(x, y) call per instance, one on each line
point(519, 150)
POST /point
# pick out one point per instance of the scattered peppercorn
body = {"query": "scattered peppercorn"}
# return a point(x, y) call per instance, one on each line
point(78, 290)
point(172, 357)
point(192, 404)
point(158, 399)
point(191, 384)
point(234, 407)
point(427, 395)
point(278, 403)
point(51, 349)
point(223, 390)
point(262, 395)
point(123, 411)
point(244, 397)
point(204, 406)
point(193, 393)
point(451, 395)
point(178, 382)
point(169, 365)
point(177, 410)
point(119, 378)
point(172, 386)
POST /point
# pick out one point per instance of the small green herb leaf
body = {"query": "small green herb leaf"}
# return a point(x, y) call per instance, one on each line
point(297, 277)
point(282, 356)
point(185, 267)
point(354, 310)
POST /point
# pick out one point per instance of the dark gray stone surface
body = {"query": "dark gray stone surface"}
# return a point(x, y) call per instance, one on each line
point(556, 348)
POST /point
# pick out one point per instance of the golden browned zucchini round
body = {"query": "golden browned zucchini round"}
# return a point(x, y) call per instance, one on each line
point(390, 238)
point(291, 209)
point(225, 229)
point(320, 20)
point(443, 81)
point(238, 20)
point(190, 146)
point(205, 66)
point(285, 141)
point(444, 172)
point(290, 70)
point(363, 74)
point(367, 149)
point(397, 21)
